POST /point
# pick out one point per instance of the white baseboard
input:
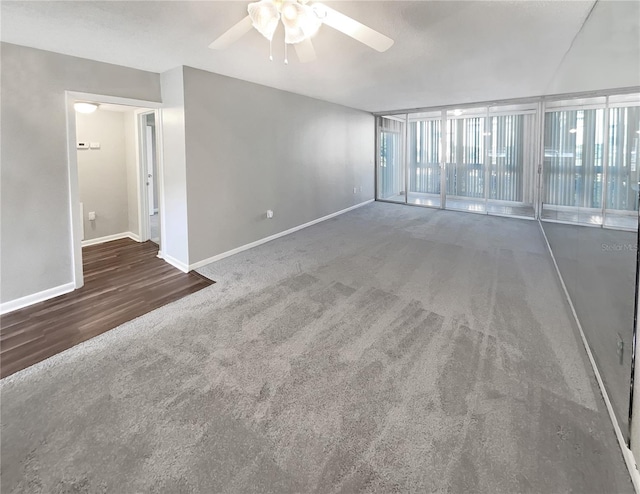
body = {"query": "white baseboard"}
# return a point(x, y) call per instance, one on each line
point(109, 238)
point(34, 298)
point(175, 263)
point(242, 248)
point(627, 454)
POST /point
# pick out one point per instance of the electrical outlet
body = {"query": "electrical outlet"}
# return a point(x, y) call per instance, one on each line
point(92, 215)
point(269, 213)
point(355, 190)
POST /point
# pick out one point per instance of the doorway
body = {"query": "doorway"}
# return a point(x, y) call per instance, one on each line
point(144, 186)
point(149, 170)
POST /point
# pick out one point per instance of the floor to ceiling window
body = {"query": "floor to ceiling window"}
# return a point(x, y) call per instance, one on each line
point(465, 166)
point(390, 167)
point(590, 161)
point(474, 159)
point(573, 161)
point(511, 166)
point(424, 159)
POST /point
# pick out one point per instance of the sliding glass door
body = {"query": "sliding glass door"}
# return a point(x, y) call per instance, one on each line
point(424, 159)
point(391, 175)
point(511, 161)
point(465, 167)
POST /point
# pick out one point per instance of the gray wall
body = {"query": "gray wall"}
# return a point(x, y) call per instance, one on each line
point(250, 148)
point(174, 230)
point(35, 226)
point(102, 173)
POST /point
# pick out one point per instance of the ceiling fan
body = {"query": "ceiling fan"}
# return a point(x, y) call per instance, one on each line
point(301, 22)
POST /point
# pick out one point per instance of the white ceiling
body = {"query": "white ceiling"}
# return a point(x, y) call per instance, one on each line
point(445, 52)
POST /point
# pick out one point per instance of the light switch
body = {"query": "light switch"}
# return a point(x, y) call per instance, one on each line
point(83, 145)
point(95, 145)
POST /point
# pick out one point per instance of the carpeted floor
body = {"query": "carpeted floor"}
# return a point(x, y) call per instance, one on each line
point(391, 349)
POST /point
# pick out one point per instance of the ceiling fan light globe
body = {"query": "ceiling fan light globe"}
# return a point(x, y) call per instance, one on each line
point(264, 17)
point(303, 26)
point(289, 12)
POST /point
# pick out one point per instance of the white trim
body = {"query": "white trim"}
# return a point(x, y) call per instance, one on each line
point(34, 298)
point(75, 214)
point(242, 248)
point(175, 263)
point(115, 100)
point(141, 171)
point(626, 452)
point(109, 238)
point(160, 177)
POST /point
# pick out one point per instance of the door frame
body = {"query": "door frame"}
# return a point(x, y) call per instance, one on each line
point(143, 171)
point(75, 214)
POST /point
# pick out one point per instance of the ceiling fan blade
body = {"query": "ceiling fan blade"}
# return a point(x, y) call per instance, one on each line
point(353, 28)
point(232, 35)
point(305, 51)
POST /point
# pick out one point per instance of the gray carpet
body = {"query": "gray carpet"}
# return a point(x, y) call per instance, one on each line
point(598, 267)
point(391, 349)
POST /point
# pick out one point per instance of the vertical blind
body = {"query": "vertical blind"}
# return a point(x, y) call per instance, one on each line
point(424, 156)
point(506, 158)
point(591, 156)
point(466, 145)
point(622, 170)
point(573, 149)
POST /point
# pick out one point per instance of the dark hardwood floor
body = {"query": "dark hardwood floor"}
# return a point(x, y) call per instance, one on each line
point(123, 279)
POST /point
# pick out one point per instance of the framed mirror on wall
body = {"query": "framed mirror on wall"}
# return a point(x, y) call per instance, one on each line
point(590, 218)
point(570, 162)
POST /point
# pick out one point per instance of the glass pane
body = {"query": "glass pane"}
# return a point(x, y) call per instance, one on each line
point(573, 148)
point(465, 165)
point(510, 166)
point(622, 168)
point(424, 162)
point(390, 165)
